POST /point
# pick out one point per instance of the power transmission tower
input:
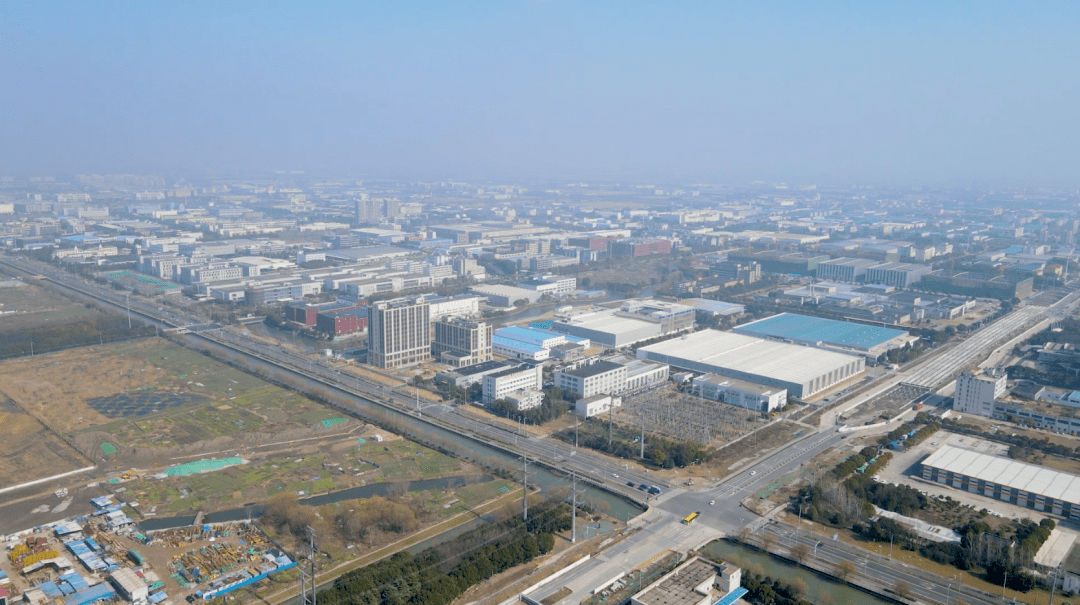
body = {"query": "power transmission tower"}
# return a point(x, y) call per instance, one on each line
point(573, 507)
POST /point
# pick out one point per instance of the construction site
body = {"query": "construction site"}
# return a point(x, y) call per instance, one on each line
point(104, 556)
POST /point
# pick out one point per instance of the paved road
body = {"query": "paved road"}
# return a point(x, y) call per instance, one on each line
point(962, 355)
point(660, 528)
point(826, 554)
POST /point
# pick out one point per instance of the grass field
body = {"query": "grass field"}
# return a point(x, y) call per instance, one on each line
point(344, 466)
point(35, 305)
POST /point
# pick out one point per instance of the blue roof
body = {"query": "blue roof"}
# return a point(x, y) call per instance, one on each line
point(520, 332)
point(816, 329)
point(98, 592)
point(517, 344)
point(1013, 250)
point(732, 596)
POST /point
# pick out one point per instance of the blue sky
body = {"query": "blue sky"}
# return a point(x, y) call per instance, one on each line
point(903, 93)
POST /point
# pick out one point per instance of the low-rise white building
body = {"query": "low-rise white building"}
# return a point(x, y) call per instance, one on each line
point(597, 404)
point(740, 393)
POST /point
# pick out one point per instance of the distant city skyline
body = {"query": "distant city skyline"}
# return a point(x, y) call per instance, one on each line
point(914, 94)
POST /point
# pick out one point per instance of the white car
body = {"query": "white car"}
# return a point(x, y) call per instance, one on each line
point(752, 473)
point(712, 502)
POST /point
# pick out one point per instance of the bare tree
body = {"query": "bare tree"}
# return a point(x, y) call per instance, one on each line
point(744, 534)
point(767, 541)
point(844, 569)
point(902, 589)
point(799, 552)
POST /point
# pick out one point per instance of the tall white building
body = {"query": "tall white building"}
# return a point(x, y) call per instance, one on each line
point(975, 392)
point(399, 333)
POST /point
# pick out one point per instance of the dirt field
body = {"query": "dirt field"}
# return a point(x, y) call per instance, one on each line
point(29, 450)
point(144, 403)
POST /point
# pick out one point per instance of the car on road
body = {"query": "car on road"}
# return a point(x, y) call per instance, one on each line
point(643, 487)
point(616, 475)
point(752, 473)
point(630, 483)
point(712, 502)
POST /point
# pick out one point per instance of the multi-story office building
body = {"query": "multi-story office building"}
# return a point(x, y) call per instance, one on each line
point(975, 392)
point(601, 377)
point(461, 342)
point(746, 272)
point(399, 333)
point(518, 380)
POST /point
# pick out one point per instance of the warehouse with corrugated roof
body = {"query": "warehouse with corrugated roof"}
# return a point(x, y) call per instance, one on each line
point(803, 371)
point(1012, 481)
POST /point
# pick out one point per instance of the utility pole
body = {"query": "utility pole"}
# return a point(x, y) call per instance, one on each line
point(127, 299)
point(311, 543)
point(610, 419)
point(643, 434)
point(576, 418)
point(573, 508)
point(525, 483)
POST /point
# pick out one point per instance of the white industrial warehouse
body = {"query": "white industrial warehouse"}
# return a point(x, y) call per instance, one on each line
point(633, 321)
point(803, 371)
point(1000, 478)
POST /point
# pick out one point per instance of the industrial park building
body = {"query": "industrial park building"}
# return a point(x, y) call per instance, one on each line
point(520, 385)
point(740, 393)
point(634, 321)
point(845, 336)
point(803, 371)
point(600, 377)
point(901, 275)
point(845, 269)
point(975, 392)
point(1012, 481)
point(461, 342)
point(399, 333)
point(535, 344)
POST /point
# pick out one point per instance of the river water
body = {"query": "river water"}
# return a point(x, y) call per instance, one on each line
point(820, 591)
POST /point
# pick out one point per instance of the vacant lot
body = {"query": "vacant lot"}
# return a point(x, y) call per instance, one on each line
point(24, 304)
point(147, 401)
point(29, 450)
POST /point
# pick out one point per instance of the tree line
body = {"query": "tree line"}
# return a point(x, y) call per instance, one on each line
point(660, 452)
point(97, 329)
point(440, 574)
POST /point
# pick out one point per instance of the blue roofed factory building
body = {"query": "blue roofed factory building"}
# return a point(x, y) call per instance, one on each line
point(844, 336)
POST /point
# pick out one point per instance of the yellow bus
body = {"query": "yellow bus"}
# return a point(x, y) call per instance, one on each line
point(690, 518)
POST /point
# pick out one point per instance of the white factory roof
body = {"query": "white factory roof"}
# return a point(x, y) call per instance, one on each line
point(1007, 473)
point(776, 360)
point(607, 322)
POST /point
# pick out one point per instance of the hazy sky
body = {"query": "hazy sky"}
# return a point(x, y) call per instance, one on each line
point(936, 92)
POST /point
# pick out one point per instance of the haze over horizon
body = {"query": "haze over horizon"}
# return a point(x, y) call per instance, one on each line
point(917, 93)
